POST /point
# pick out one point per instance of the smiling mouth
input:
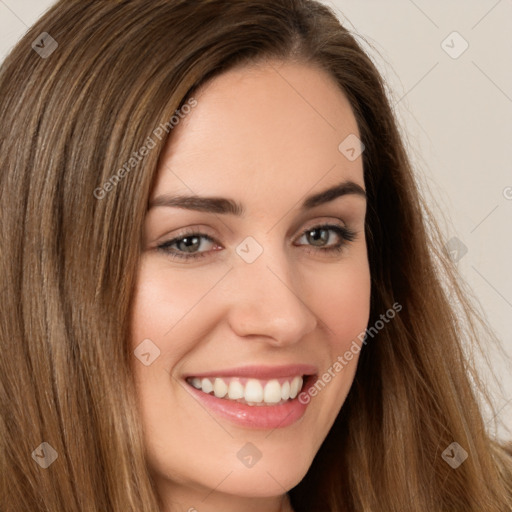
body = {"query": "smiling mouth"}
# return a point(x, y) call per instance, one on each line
point(250, 391)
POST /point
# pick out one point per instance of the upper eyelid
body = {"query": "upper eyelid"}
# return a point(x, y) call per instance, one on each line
point(326, 220)
point(204, 232)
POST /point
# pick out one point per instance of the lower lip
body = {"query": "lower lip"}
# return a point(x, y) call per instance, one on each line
point(254, 416)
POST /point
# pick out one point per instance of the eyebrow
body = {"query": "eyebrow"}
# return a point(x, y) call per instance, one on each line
point(228, 206)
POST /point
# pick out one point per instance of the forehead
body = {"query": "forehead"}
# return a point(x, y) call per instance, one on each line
point(273, 127)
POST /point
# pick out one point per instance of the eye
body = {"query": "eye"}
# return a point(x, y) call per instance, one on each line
point(319, 237)
point(186, 245)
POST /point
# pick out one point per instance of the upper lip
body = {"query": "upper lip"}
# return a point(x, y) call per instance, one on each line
point(259, 372)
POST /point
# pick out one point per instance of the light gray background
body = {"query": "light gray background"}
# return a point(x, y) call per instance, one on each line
point(457, 117)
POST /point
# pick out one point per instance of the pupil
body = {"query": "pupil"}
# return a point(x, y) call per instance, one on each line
point(190, 242)
point(322, 238)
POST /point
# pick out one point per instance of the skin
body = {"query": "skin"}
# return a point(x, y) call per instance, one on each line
point(266, 136)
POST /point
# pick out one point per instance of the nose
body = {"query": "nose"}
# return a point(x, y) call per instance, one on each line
point(266, 301)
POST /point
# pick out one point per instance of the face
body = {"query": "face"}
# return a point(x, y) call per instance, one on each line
point(238, 309)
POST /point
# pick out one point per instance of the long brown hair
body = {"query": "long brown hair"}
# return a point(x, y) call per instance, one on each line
point(71, 118)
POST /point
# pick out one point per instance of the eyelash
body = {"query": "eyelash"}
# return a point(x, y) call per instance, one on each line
point(346, 234)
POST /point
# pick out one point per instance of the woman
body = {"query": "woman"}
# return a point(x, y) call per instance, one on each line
point(222, 290)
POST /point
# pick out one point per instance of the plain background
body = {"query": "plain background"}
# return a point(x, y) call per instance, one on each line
point(455, 108)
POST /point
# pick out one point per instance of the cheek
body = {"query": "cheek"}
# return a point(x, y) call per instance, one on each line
point(166, 301)
point(342, 300)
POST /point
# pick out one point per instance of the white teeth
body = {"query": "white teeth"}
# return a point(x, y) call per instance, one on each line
point(272, 393)
point(236, 390)
point(255, 392)
point(295, 386)
point(220, 388)
point(206, 385)
point(285, 391)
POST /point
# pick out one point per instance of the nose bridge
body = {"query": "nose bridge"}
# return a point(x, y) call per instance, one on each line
point(265, 300)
